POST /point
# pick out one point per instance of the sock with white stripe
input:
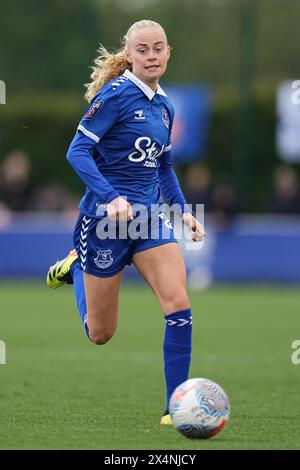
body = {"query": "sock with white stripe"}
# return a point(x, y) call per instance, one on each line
point(177, 350)
point(77, 275)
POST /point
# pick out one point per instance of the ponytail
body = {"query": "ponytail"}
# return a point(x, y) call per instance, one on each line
point(107, 67)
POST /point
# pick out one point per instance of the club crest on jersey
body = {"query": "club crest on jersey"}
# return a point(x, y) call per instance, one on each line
point(165, 118)
point(93, 109)
point(139, 114)
point(103, 259)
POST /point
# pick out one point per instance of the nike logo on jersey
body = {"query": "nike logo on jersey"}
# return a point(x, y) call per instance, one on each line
point(146, 150)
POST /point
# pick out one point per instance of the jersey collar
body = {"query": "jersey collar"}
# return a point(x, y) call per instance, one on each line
point(142, 86)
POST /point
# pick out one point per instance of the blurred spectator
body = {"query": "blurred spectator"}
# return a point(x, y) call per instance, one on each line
point(52, 197)
point(19, 193)
point(285, 198)
point(198, 187)
point(16, 185)
point(71, 210)
point(5, 216)
point(225, 205)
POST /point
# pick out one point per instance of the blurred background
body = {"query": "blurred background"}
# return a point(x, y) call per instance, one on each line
point(233, 81)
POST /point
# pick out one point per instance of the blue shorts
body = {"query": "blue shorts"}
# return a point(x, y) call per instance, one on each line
point(105, 257)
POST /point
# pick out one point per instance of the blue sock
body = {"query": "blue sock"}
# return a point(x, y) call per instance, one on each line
point(77, 275)
point(177, 350)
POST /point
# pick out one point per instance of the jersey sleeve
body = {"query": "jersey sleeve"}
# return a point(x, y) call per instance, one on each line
point(80, 158)
point(168, 181)
point(167, 158)
point(169, 185)
point(100, 116)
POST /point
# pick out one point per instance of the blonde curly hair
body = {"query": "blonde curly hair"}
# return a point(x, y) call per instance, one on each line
point(110, 65)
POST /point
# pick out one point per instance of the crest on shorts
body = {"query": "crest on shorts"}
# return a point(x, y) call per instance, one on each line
point(103, 259)
point(93, 109)
point(165, 118)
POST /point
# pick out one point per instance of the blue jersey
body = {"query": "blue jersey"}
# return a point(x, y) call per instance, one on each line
point(122, 146)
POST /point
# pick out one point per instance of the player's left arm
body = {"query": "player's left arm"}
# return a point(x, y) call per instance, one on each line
point(172, 192)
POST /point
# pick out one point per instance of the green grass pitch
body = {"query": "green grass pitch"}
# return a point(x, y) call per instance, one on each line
point(59, 391)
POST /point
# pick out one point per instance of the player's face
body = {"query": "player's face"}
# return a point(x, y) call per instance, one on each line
point(148, 52)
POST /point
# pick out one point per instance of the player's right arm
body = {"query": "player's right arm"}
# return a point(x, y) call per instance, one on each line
point(99, 118)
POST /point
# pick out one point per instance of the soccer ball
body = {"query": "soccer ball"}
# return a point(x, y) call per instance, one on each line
point(199, 408)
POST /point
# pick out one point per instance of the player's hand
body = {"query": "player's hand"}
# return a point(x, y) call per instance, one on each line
point(193, 224)
point(119, 210)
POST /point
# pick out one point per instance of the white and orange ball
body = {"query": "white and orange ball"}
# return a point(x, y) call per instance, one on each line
point(199, 408)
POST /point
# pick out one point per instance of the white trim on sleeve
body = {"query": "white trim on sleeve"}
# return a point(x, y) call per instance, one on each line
point(168, 148)
point(88, 133)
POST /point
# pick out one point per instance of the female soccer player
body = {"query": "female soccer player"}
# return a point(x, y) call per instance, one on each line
point(121, 151)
